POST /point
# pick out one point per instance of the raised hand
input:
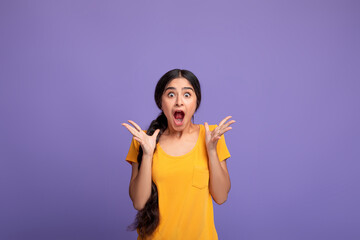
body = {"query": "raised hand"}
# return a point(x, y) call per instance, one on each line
point(212, 137)
point(148, 143)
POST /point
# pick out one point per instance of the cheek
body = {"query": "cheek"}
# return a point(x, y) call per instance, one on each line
point(166, 109)
point(192, 106)
point(164, 104)
point(193, 103)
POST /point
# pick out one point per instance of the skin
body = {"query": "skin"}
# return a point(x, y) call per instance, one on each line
point(178, 95)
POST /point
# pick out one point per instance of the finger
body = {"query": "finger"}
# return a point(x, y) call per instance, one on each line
point(156, 133)
point(206, 127)
point(131, 129)
point(228, 123)
point(224, 120)
point(220, 132)
point(225, 130)
point(215, 131)
point(138, 139)
point(136, 126)
point(215, 138)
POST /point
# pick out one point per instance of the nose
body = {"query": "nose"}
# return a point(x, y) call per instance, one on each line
point(179, 101)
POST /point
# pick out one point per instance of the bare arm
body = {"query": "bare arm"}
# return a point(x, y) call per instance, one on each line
point(140, 183)
point(219, 185)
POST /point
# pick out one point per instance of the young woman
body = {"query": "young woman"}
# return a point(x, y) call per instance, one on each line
point(178, 167)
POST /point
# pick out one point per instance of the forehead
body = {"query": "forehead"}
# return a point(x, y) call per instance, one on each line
point(179, 83)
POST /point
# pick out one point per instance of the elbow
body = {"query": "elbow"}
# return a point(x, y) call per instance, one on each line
point(138, 206)
point(220, 201)
point(139, 203)
point(220, 198)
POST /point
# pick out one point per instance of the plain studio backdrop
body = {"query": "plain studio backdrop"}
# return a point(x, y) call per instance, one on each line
point(287, 71)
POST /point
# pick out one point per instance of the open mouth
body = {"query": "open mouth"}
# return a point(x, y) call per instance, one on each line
point(179, 117)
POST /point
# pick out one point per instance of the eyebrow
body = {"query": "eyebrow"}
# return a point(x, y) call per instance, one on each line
point(190, 88)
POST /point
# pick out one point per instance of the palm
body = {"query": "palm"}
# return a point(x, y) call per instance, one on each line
point(148, 143)
point(212, 137)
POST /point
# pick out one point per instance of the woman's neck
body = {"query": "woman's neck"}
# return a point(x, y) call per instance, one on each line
point(190, 128)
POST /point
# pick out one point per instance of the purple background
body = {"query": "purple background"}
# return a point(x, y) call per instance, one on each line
point(287, 71)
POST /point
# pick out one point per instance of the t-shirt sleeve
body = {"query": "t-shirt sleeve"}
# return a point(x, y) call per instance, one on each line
point(133, 151)
point(222, 150)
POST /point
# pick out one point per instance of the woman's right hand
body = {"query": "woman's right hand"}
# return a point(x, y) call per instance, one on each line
point(148, 143)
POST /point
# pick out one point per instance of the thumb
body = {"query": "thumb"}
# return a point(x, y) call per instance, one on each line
point(206, 127)
point(156, 132)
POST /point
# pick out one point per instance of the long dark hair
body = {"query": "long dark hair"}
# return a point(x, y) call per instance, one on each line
point(147, 219)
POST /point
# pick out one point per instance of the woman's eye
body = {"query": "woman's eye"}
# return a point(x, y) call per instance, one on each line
point(170, 94)
point(187, 94)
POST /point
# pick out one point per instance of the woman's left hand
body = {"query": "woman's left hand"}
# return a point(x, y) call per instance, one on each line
point(212, 137)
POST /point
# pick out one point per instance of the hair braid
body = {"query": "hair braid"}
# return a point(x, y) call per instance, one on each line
point(147, 219)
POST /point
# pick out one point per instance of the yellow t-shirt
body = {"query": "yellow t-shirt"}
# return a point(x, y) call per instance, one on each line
point(185, 203)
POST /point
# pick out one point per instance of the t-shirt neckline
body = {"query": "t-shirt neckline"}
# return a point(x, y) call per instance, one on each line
point(186, 154)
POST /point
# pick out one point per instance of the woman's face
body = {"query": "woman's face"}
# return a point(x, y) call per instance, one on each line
point(179, 103)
